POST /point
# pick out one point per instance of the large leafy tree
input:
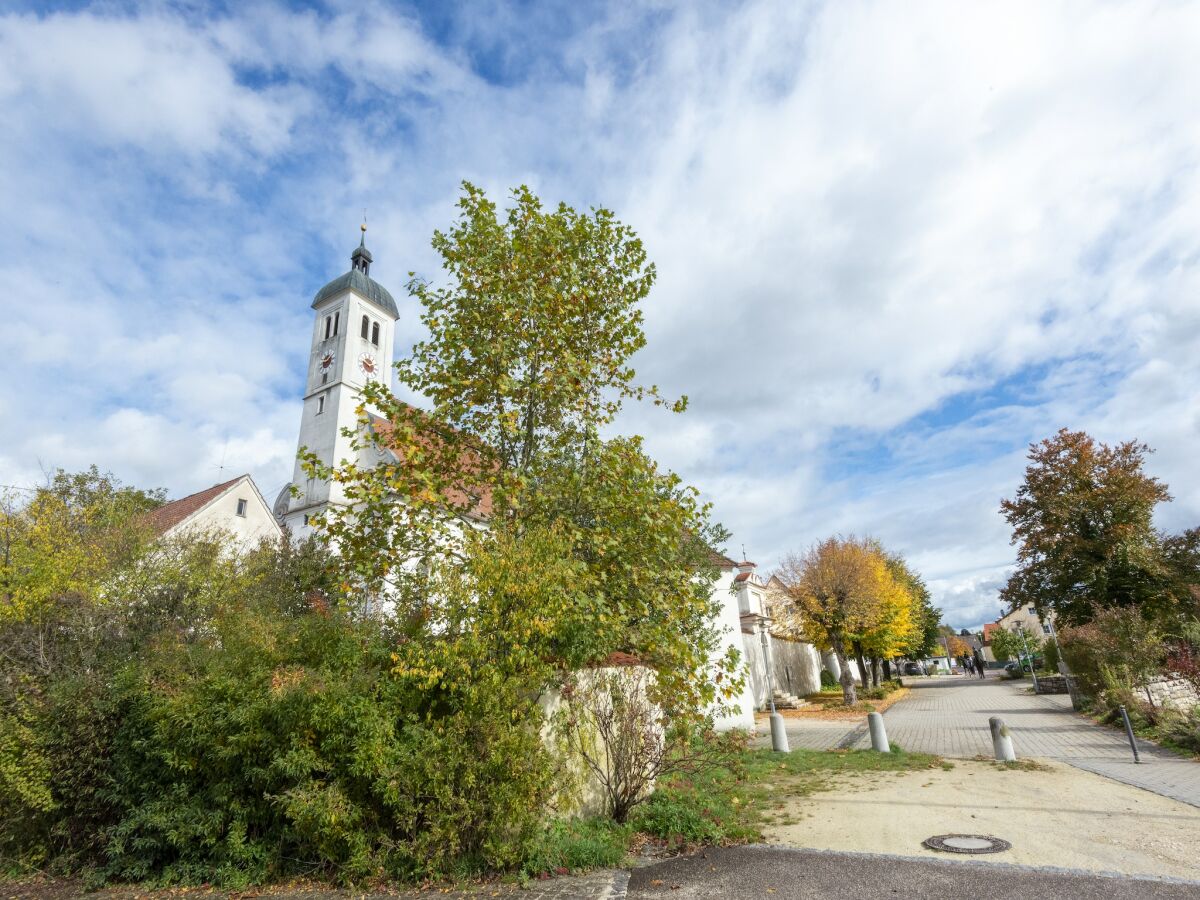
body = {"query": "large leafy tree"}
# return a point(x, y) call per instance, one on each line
point(526, 366)
point(59, 542)
point(835, 589)
point(1082, 523)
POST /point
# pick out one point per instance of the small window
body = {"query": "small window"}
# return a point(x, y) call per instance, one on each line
point(1033, 610)
point(320, 404)
point(336, 316)
point(1045, 629)
point(365, 326)
point(375, 333)
point(241, 507)
point(328, 326)
point(324, 377)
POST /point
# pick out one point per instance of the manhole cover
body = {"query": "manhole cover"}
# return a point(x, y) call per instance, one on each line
point(966, 843)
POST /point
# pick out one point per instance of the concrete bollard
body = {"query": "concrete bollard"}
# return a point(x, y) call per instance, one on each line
point(779, 741)
point(1002, 740)
point(879, 739)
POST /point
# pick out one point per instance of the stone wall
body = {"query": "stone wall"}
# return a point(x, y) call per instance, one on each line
point(1176, 692)
point(1052, 684)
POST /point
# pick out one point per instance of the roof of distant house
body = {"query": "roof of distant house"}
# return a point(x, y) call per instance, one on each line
point(171, 514)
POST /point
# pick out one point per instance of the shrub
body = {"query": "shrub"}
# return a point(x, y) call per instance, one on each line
point(827, 680)
point(1050, 656)
point(1182, 729)
point(1120, 639)
point(288, 746)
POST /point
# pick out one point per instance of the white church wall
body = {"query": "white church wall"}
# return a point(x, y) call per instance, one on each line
point(741, 707)
point(796, 667)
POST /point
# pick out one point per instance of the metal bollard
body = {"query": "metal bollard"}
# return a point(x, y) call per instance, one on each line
point(1129, 734)
point(779, 741)
point(879, 739)
point(1002, 743)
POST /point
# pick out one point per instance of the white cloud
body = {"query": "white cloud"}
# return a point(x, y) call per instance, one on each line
point(144, 81)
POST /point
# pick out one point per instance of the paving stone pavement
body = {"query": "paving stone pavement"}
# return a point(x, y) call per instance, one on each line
point(949, 716)
point(605, 884)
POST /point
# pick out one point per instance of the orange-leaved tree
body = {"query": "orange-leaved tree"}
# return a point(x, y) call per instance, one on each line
point(837, 592)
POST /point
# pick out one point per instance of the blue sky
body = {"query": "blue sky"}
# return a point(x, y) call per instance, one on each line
point(896, 242)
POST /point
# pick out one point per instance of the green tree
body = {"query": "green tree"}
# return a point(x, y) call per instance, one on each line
point(1008, 645)
point(66, 537)
point(1082, 524)
point(526, 364)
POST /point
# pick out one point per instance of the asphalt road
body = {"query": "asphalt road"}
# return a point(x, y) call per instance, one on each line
point(784, 873)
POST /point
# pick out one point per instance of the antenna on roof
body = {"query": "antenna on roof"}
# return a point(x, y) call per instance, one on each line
point(221, 467)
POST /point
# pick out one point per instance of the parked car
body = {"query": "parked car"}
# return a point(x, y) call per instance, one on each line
point(1013, 668)
point(912, 668)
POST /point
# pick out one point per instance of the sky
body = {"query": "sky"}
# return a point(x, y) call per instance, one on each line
point(896, 242)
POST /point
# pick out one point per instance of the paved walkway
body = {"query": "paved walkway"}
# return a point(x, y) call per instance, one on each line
point(949, 716)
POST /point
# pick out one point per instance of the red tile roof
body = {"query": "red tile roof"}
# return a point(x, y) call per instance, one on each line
point(474, 488)
point(988, 629)
point(720, 560)
point(741, 576)
point(171, 514)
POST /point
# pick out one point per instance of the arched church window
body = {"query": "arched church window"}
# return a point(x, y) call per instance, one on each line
point(328, 326)
point(336, 316)
point(375, 333)
point(365, 326)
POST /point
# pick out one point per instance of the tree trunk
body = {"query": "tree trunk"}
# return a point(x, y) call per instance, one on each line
point(875, 671)
point(863, 678)
point(849, 695)
point(887, 670)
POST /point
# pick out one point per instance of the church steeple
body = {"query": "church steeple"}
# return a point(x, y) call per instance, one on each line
point(360, 259)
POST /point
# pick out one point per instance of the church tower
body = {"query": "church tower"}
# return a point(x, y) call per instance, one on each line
point(353, 330)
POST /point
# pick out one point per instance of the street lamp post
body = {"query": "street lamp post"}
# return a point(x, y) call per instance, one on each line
point(767, 665)
point(1029, 656)
point(779, 741)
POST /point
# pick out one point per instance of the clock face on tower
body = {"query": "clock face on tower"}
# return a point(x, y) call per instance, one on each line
point(325, 364)
point(366, 362)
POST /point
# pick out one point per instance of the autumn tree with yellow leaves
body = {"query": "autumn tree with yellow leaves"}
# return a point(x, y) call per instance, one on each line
point(842, 595)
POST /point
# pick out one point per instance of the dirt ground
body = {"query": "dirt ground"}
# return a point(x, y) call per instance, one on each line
point(1053, 816)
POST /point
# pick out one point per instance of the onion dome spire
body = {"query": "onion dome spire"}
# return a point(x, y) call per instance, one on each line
point(360, 259)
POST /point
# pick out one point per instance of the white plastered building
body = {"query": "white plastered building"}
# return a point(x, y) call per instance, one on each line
point(234, 508)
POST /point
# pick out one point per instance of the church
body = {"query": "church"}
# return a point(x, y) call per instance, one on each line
point(354, 324)
point(352, 343)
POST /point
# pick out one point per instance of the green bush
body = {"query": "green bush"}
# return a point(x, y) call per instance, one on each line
point(827, 680)
point(1182, 730)
point(288, 746)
